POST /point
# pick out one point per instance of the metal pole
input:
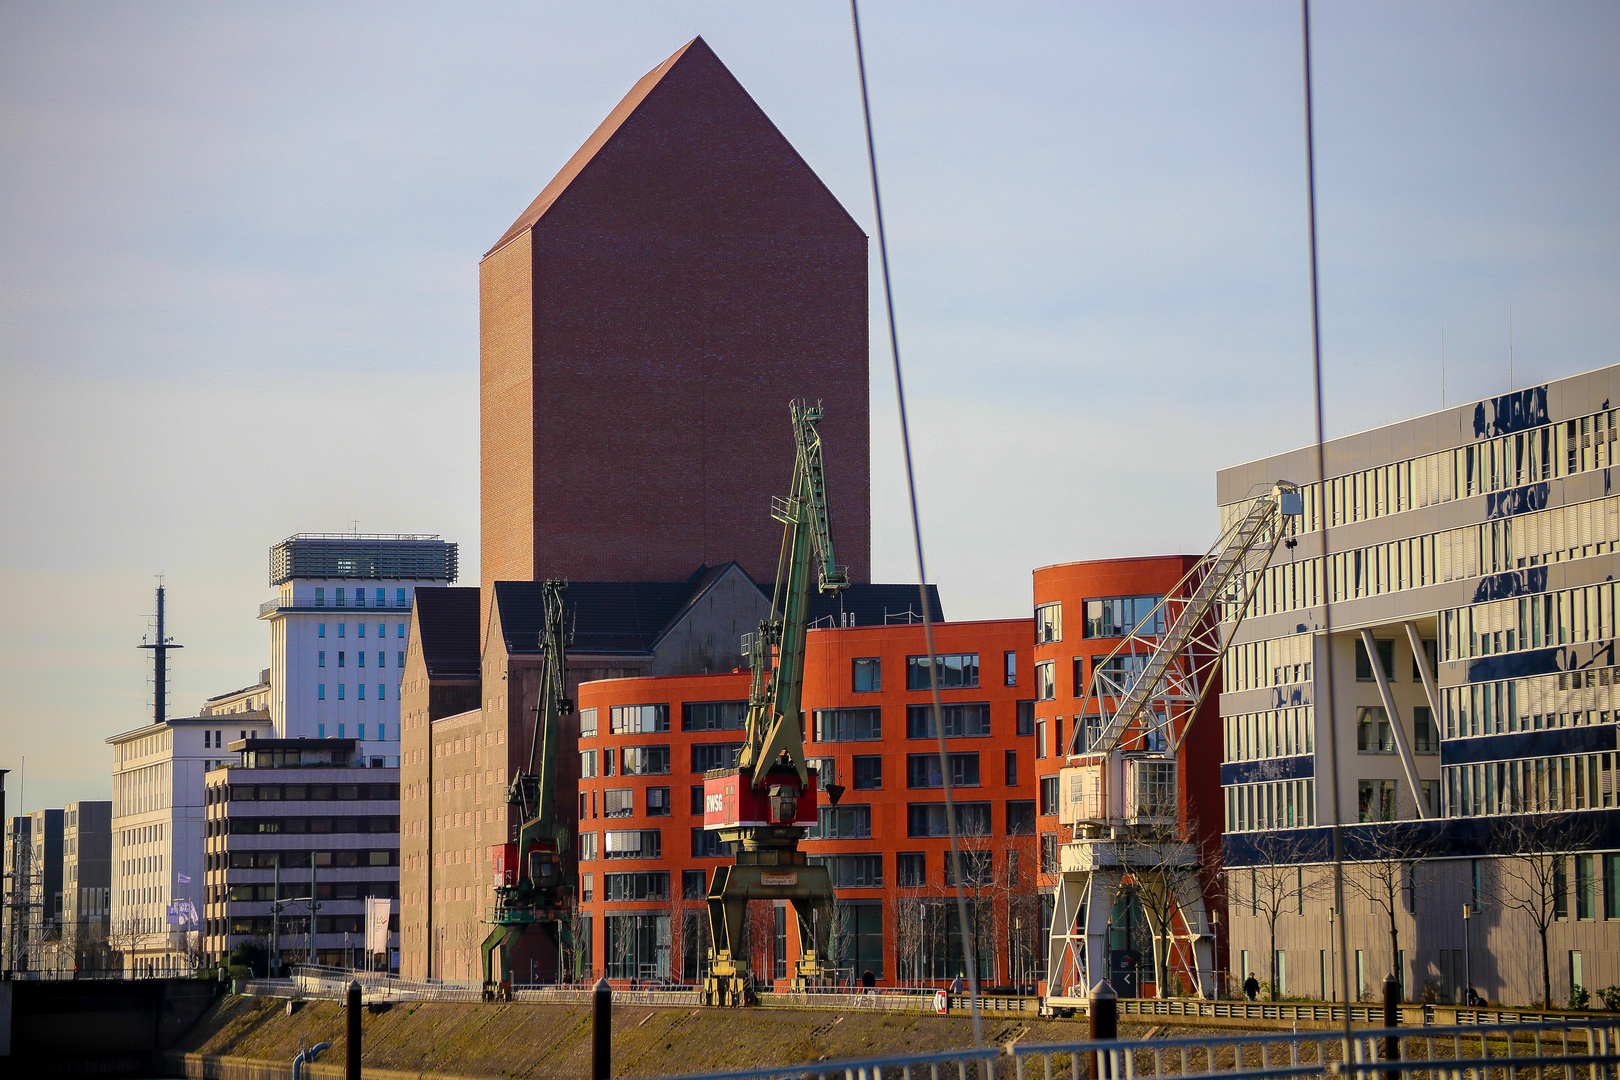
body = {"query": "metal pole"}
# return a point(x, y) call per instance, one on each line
point(602, 1031)
point(1392, 1020)
point(1468, 959)
point(275, 923)
point(314, 907)
point(1104, 1016)
point(351, 1069)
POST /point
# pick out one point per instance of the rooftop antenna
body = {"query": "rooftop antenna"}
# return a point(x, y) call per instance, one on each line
point(160, 662)
point(354, 527)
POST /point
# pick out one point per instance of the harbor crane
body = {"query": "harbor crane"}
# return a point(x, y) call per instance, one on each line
point(532, 883)
point(1119, 791)
point(765, 802)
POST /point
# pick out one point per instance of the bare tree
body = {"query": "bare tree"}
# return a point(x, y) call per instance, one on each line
point(1278, 882)
point(1533, 853)
point(1388, 862)
point(909, 930)
point(1160, 861)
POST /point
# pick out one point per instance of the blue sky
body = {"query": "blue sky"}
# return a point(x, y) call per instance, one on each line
point(239, 248)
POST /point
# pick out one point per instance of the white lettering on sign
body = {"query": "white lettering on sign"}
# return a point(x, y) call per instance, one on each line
point(779, 879)
point(714, 804)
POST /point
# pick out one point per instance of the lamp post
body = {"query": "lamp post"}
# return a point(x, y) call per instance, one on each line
point(1215, 960)
point(1018, 951)
point(1333, 966)
point(1469, 910)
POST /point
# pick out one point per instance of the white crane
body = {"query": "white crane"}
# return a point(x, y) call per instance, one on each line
point(1120, 789)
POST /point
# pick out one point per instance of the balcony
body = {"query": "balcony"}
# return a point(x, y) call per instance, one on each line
point(270, 607)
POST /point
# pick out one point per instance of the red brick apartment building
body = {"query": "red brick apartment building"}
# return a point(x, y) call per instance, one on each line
point(645, 743)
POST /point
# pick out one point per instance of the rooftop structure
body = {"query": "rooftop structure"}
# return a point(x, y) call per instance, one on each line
point(338, 556)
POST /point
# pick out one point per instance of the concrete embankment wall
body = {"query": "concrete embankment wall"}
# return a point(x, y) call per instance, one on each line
point(552, 1042)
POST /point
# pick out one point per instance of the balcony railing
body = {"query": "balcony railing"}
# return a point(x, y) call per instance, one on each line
point(270, 607)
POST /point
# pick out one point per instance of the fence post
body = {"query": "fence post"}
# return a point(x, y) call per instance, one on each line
point(602, 1030)
point(352, 1050)
point(1392, 1020)
point(1104, 1016)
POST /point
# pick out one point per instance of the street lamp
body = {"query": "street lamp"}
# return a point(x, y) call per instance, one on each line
point(1469, 910)
point(1333, 969)
point(1215, 960)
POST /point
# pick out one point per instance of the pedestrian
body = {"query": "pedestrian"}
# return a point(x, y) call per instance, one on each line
point(1251, 987)
point(957, 985)
point(868, 980)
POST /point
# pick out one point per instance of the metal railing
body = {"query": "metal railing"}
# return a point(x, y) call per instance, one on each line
point(1561, 1051)
point(309, 604)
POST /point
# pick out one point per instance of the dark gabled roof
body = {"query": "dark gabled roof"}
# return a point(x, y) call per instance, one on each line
point(603, 616)
point(874, 605)
point(446, 626)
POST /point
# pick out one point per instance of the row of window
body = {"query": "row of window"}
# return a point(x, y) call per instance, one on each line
point(359, 695)
point(261, 826)
point(220, 793)
point(299, 890)
point(262, 925)
point(958, 720)
point(1568, 617)
point(1273, 733)
point(1508, 461)
point(359, 659)
point(341, 597)
point(1379, 800)
point(1532, 785)
point(360, 630)
point(1375, 736)
point(1282, 804)
point(1566, 699)
point(1275, 662)
point(299, 859)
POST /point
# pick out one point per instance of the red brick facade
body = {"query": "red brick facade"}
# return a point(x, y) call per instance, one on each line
point(643, 326)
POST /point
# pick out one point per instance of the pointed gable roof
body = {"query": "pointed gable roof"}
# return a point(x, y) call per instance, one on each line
point(700, 66)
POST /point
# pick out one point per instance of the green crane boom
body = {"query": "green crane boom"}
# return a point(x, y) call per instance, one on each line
point(534, 884)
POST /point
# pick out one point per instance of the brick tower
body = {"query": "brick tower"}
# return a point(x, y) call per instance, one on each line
point(643, 326)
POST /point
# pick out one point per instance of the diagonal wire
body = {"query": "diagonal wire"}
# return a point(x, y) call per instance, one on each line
point(1321, 518)
point(916, 537)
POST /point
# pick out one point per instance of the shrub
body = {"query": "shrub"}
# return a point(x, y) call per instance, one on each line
point(1611, 998)
point(1579, 998)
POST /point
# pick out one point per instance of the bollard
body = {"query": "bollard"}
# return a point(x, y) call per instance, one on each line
point(1392, 1020)
point(602, 1031)
point(1104, 1016)
point(351, 1070)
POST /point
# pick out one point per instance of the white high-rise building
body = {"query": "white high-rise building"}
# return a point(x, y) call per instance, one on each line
point(339, 631)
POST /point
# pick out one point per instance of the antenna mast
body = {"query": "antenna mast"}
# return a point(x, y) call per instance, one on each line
point(160, 665)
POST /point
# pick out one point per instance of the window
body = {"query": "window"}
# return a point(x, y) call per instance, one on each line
point(1430, 653)
point(693, 885)
point(382, 658)
point(320, 629)
point(1009, 768)
point(697, 800)
point(1115, 674)
point(1040, 739)
point(359, 659)
point(1373, 734)
point(1585, 893)
point(360, 733)
point(960, 720)
point(923, 771)
point(868, 672)
point(853, 871)
point(644, 761)
point(320, 600)
point(638, 719)
point(1045, 681)
point(1611, 886)
point(1431, 796)
point(399, 660)
point(1049, 796)
point(1049, 853)
point(645, 885)
point(360, 691)
point(956, 670)
point(844, 823)
point(1116, 616)
point(341, 659)
point(340, 698)
point(1026, 718)
point(341, 628)
point(1425, 736)
point(714, 715)
point(320, 695)
point(826, 770)
point(658, 802)
point(1386, 659)
point(320, 658)
point(706, 844)
point(868, 773)
point(1375, 800)
point(1020, 817)
point(587, 887)
point(1560, 888)
point(587, 764)
point(849, 725)
point(929, 819)
point(587, 723)
point(635, 844)
point(911, 869)
point(978, 868)
point(320, 729)
point(1010, 664)
point(618, 802)
point(720, 755)
point(608, 758)
point(399, 601)
point(360, 628)
point(1048, 623)
point(587, 847)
